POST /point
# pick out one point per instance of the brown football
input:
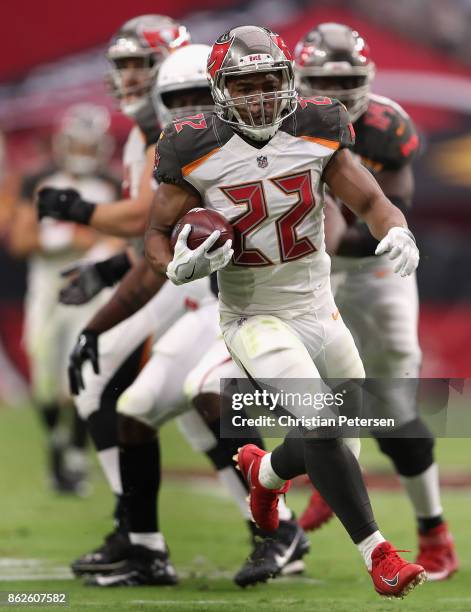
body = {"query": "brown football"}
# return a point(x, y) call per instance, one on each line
point(203, 223)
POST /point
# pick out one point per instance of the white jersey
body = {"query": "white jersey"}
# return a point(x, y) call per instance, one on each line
point(134, 162)
point(273, 197)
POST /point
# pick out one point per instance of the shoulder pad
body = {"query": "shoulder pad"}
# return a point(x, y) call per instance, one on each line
point(324, 120)
point(386, 135)
point(185, 141)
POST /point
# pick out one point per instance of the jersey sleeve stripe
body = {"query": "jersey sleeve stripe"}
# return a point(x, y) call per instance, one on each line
point(191, 167)
point(331, 144)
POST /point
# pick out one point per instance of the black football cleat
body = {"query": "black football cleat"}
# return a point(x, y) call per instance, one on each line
point(143, 567)
point(110, 556)
point(273, 554)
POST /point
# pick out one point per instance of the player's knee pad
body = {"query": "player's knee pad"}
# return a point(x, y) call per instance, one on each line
point(411, 450)
point(136, 403)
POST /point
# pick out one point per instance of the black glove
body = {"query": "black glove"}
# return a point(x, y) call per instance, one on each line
point(86, 348)
point(88, 279)
point(64, 204)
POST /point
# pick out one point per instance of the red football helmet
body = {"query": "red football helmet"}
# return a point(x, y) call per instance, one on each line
point(333, 60)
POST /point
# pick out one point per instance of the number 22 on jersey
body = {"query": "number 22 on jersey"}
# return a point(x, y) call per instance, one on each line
point(252, 195)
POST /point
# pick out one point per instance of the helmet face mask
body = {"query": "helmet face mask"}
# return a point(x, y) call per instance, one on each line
point(333, 60)
point(252, 81)
point(136, 53)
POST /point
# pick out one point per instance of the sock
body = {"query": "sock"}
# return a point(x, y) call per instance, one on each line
point(424, 493)
point(140, 475)
point(267, 476)
point(335, 473)
point(230, 478)
point(152, 541)
point(284, 513)
point(109, 461)
point(367, 546)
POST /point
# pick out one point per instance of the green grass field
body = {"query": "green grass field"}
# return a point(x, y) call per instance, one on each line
point(41, 533)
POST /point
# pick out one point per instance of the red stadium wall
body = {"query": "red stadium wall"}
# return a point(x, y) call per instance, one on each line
point(445, 338)
point(37, 32)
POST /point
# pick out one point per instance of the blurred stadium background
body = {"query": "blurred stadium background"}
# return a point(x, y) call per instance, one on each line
point(422, 50)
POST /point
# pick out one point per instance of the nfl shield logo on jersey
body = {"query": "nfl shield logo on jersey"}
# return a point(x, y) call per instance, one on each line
point(262, 161)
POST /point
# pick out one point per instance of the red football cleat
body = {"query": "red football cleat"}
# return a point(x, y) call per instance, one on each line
point(393, 576)
point(437, 553)
point(317, 513)
point(263, 501)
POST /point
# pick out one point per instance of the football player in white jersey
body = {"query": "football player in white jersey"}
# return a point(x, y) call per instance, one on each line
point(135, 54)
point(82, 150)
point(157, 393)
point(278, 315)
point(379, 308)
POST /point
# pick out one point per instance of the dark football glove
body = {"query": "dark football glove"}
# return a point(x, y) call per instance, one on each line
point(86, 279)
point(64, 205)
point(85, 349)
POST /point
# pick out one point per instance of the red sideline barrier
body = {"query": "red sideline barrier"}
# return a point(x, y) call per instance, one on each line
point(445, 337)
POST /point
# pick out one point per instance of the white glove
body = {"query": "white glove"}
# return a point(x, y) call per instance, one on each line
point(188, 265)
point(400, 243)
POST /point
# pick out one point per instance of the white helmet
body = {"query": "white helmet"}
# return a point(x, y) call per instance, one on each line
point(82, 144)
point(185, 69)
